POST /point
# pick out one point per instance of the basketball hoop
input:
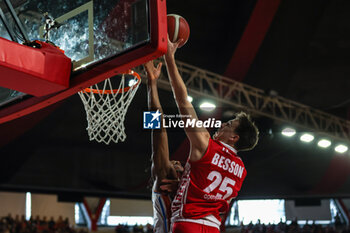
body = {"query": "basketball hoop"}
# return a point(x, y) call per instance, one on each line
point(106, 107)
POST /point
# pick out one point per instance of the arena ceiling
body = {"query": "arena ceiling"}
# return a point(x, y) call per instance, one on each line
point(299, 49)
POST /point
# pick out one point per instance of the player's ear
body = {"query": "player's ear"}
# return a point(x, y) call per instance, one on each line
point(234, 138)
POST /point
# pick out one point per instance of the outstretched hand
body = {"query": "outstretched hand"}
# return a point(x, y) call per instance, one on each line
point(153, 73)
point(172, 47)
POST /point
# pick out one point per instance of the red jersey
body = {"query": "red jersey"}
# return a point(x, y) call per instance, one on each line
point(208, 185)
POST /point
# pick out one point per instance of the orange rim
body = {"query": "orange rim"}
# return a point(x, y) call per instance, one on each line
point(113, 91)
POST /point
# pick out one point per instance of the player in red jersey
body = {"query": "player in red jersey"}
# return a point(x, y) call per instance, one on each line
point(213, 173)
point(162, 167)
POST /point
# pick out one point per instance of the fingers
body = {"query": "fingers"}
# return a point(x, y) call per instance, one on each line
point(169, 185)
point(149, 62)
point(168, 39)
point(153, 73)
point(172, 47)
point(166, 181)
point(166, 188)
point(159, 66)
point(177, 43)
point(169, 182)
point(148, 66)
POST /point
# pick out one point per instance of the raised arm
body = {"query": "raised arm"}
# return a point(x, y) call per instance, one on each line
point(198, 136)
point(161, 166)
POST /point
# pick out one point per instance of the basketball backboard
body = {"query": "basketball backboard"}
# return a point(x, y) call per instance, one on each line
point(102, 38)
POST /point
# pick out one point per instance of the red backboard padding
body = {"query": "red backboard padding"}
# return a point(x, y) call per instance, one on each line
point(96, 73)
point(33, 71)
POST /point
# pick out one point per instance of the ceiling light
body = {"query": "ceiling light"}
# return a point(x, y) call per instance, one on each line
point(341, 148)
point(189, 98)
point(289, 132)
point(324, 143)
point(206, 106)
point(307, 137)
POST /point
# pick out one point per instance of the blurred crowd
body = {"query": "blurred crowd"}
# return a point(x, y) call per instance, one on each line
point(135, 229)
point(294, 227)
point(18, 224)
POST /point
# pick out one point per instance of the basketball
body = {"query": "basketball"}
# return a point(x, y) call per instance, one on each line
point(178, 28)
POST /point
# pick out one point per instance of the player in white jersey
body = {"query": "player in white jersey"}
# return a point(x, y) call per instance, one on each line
point(162, 167)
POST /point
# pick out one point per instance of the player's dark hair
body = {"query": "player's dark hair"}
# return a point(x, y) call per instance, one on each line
point(247, 131)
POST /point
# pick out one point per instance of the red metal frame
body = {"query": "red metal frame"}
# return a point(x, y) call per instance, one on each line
point(252, 38)
point(156, 48)
point(96, 215)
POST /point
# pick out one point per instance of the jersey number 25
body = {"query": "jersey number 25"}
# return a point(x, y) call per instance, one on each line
point(216, 179)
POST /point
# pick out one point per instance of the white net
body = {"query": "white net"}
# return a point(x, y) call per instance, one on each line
point(106, 108)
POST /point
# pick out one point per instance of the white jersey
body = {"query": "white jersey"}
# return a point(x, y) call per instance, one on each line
point(161, 212)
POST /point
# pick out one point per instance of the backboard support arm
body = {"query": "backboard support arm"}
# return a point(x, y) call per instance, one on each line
point(16, 20)
point(7, 26)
